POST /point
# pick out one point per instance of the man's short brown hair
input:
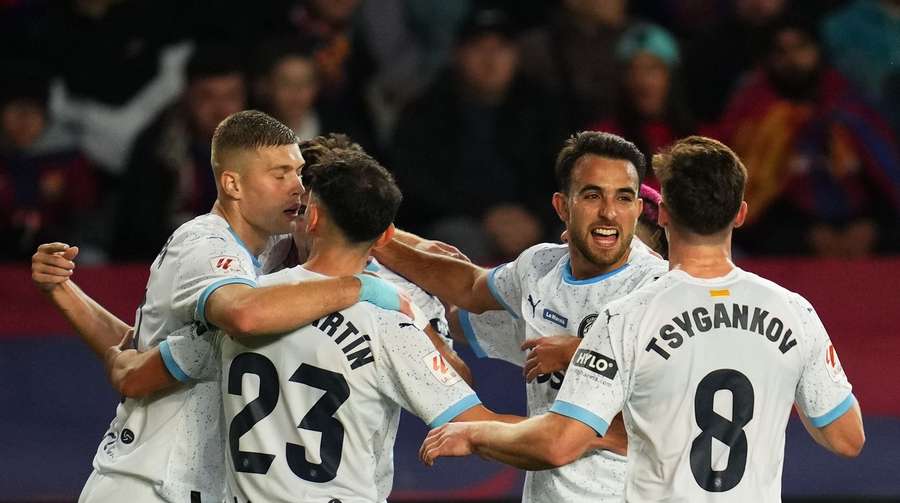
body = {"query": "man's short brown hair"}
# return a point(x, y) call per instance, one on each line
point(248, 130)
point(702, 184)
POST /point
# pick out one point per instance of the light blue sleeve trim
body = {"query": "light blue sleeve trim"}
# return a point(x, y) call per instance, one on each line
point(838, 411)
point(455, 410)
point(577, 413)
point(469, 332)
point(493, 288)
point(171, 365)
point(201, 304)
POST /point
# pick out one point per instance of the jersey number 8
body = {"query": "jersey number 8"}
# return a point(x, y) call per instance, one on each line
point(319, 418)
point(730, 433)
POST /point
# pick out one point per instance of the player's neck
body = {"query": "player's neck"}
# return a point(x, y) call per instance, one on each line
point(335, 259)
point(583, 268)
point(701, 260)
point(254, 238)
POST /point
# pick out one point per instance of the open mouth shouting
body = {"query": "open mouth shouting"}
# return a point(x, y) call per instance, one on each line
point(605, 236)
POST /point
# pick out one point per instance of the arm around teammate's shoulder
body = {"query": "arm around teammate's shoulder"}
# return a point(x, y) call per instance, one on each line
point(453, 280)
point(242, 310)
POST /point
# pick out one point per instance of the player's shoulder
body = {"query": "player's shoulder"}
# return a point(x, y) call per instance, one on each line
point(645, 261)
point(202, 227)
point(542, 257)
point(637, 301)
point(771, 289)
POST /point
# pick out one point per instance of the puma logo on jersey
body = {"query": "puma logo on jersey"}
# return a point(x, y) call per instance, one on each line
point(533, 305)
point(404, 325)
point(596, 363)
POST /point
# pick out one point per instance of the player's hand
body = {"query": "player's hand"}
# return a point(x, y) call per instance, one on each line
point(548, 354)
point(564, 237)
point(113, 352)
point(615, 440)
point(383, 294)
point(451, 439)
point(442, 248)
point(52, 264)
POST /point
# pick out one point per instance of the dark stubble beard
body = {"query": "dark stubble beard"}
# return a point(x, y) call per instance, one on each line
point(596, 260)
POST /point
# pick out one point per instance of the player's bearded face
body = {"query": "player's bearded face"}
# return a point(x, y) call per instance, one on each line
point(271, 188)
point(603, 208)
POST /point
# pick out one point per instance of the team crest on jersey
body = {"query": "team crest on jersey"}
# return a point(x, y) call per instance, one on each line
point(596, 363)
point(440, 369)
point(833, 364)
point(226, 264)
point(586, 324)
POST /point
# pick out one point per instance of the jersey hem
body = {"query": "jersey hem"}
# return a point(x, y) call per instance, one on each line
point(201, 304)
point(171, 365)
point(832, 415)
point(469, 333)
point(493, 288)
point(580, 414)
point(454, 410)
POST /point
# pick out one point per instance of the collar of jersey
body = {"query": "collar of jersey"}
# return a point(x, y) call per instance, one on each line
point(570, 279)
point(256, 262)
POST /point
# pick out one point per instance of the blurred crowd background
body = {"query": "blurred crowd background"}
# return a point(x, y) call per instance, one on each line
point(107, 108)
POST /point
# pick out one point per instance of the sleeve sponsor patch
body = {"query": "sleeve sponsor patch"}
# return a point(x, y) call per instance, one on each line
point(596, 363)
point(226, 264)
point(833, 364)
point(440, 369)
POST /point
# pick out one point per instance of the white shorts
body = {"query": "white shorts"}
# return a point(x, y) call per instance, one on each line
point(115, 487)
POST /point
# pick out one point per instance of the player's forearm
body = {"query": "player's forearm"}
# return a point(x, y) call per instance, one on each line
point(96, 326)
point(282, 308)
point(452, 280)
point(533, 444)
point(136, 375)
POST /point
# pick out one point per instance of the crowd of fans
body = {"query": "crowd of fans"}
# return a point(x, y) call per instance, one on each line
point(107, 108)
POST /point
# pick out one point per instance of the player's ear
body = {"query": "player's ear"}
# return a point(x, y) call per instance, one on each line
point(663, 218)
point(741, 215)
point(229, 181)
point(312, 217)
point(385, 237)
point(561, 205)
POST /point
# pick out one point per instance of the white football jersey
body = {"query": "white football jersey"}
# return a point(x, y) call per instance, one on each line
point(707, 371)
point(430, 305)
point(542, 298)
point(312, 415)
point(171, 439)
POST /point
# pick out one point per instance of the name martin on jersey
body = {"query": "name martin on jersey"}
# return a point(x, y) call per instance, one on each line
point(699, 320)
point(359, 344)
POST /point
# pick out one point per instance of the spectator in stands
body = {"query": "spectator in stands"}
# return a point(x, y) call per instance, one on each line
point(473, 154)
point(715, 60)
point(48, 190)
point(574, 56)
point(287, 85)
point(120, 64)
point(863, 40)
point(824, 173)
point(651, 111)
point(168, 180)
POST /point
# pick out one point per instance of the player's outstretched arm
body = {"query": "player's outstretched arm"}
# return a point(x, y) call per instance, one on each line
point(539, 443)
point(844, 436)
point(52, 266)
point(450, 356)
point(241, 310)
point(135, 374)
point(453, 280)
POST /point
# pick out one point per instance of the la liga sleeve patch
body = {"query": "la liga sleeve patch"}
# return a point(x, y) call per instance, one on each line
point(440, 369)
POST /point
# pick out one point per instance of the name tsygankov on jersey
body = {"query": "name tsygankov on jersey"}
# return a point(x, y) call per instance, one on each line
point(341, 331)
point(699, 320)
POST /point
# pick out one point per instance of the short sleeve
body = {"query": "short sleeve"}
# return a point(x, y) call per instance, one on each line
point(494, 334)
point(208, 264)
point(592, 392)
point(506, 287)
point(824, 392)
point(413, 374)
point(192, 353)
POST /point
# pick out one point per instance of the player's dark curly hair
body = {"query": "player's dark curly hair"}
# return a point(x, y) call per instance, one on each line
point(598, 143)
point(358, 193)
point(702, 184)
